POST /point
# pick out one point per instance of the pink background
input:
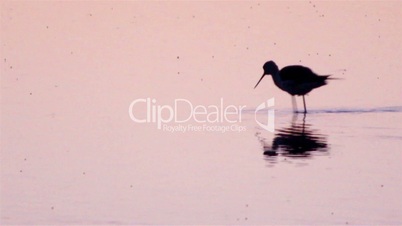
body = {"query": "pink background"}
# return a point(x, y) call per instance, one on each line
point(71, 155)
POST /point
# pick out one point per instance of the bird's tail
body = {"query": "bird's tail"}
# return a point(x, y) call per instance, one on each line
point(325, 78)
point(329, 77)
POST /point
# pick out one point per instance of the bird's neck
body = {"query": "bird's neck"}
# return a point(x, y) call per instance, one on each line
point(277, 79)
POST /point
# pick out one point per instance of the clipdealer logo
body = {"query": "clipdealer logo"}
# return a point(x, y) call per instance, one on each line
point(269, 125)
point(183, 116)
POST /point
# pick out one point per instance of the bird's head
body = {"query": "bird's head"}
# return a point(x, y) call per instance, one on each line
point(269, 69)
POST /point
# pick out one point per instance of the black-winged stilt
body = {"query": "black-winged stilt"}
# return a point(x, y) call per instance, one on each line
point(294, 79)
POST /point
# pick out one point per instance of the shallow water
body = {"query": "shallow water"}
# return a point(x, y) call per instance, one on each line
point(330, 168)
point(71, 154)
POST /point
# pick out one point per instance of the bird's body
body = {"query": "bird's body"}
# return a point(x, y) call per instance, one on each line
point(298, 80)
point(295, 79)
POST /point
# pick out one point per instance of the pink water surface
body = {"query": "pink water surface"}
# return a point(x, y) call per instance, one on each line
point(70, 154)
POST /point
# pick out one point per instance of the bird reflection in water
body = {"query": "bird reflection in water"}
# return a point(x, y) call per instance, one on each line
point(299, 140)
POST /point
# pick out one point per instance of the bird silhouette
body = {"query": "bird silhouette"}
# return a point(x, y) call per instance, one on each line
point(294, 79)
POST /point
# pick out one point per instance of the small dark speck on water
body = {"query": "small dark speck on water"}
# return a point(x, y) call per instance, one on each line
point(131, 186)
point(47, 27)
point(202, 80)
point(274, 43)
point(25, 159)
point(11, 67)
point(382, 185)
point(329, 54)
point(332, 213)
point(245, 218)
point(178, 72)
point(5, 59)
point(178, 57)
point(83, 173)
point(30, 93)
point(52, 207)
point(90, 14)
point(20, 171)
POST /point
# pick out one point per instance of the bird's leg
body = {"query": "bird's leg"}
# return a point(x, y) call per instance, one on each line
point(294, 104)
point(304, 103)
point(304, 122)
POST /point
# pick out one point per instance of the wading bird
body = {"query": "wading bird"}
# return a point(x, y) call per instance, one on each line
point(294, 79)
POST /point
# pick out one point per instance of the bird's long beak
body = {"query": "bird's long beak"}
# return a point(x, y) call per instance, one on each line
point(259, 81)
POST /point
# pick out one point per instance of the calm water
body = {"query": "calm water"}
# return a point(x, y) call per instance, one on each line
point(330, 168)
point(70, 154)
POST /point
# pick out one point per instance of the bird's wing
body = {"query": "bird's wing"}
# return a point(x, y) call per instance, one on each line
point(297, 73)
